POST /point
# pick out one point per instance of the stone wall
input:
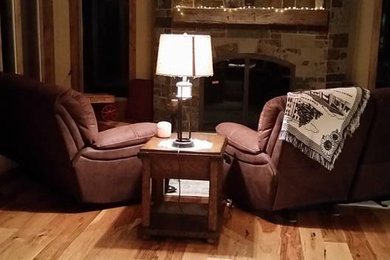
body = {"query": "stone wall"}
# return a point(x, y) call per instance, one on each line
point(319, 54)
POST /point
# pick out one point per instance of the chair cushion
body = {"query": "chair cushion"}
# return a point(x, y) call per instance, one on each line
point(240, 136)
point(123, 136)
point(82, 113)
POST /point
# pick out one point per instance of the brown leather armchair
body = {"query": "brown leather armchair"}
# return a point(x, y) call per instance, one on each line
point(52, 132)
point(265, 173)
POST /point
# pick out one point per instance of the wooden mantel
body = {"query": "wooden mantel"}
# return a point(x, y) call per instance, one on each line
point(251, 16)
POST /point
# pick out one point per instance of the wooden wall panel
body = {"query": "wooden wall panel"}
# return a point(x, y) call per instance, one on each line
point(18, 37)
point(364, 42)
point(144, 27)
point(376, 31)
point(61, 26)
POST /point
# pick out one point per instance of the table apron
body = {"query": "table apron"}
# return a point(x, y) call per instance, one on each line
point(197, 168)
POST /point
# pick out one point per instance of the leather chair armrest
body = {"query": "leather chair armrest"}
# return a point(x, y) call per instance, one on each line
point(240, 136)
point(124, 136)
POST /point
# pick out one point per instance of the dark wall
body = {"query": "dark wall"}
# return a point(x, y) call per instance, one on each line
point(30, 39)
point(7, 36)
point(106, 46)
point(383, 76)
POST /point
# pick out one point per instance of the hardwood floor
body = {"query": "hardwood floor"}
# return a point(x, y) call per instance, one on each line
point(35, 223)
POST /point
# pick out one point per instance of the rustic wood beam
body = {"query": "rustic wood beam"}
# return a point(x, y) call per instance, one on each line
point(251, 16)
point(46, 40)
point(375, 36)
point(18, 35)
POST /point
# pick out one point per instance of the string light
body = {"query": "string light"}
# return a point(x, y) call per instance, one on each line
point(180, 8)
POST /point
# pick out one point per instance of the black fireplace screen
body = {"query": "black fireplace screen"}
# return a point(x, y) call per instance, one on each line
point(239, 89)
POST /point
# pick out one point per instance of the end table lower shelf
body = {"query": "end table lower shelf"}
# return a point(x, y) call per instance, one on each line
point(188, 220)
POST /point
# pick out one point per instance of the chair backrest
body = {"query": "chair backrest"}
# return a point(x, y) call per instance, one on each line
point(373, 178)
point(270, 122)
point(31, 133)
point(76, 119)
point(300, 177)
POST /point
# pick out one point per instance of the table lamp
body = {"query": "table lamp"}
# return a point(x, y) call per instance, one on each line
point(185, 56)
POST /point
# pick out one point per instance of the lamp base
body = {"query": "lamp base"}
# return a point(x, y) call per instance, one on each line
point(183, 143)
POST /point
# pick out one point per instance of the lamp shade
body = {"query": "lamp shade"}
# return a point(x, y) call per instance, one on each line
point(183, 55)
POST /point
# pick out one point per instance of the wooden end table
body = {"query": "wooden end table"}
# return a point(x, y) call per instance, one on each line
point(164, 217)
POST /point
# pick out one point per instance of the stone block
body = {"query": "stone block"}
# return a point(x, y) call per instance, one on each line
point(309, 69)
point(219, 31)
point(305, 29)
point(291, 55)
point(266, 49)
point(164, 4)
point(189, 3)
point(335, 78)
point(335, 85)
point(163, 13)
point(305, 3)
point(333, 54)
point(284, 29)
point(268, 3)
point(209, 3)
point(314, 54)
point(288, 3)
point(340, 40)
point(189, 28)
point(327, 4)
point(336, 67)
point(339, 21)
point(337, 3)
point(301, 84)
point(163, 22)
point(321, 43)
point(298, 41)
point(226, 49)
point(242, 32)
point(295, 51)
point(322, 37)
point(273, 42)
point(343, 54)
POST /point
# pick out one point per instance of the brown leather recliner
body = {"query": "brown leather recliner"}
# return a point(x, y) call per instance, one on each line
point(265, 173)
point(53, 133)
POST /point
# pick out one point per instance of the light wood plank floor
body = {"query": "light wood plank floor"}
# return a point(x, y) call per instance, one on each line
point(35, 223)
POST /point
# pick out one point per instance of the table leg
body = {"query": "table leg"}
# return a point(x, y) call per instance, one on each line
point(213, 196)
point(146, 201)
point(220, 181)
point(158, 190)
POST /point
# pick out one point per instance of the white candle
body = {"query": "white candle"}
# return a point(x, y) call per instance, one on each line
point(164, 129)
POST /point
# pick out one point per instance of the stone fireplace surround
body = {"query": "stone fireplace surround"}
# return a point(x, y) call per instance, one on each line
point(319, 54)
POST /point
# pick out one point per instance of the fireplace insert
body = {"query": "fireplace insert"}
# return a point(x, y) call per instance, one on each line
point(240, 87)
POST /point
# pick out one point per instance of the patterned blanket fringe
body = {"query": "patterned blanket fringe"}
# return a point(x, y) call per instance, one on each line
point(355, 120)
point(290, 138)
point(349, 130)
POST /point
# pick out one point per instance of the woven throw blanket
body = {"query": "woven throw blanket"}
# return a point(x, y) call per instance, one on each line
point(318, 121)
